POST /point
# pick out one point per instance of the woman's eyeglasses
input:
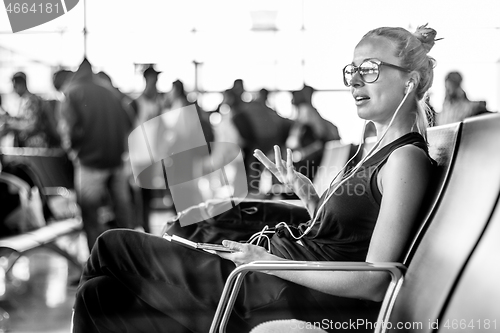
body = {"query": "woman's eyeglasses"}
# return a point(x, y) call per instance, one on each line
point(369, 71)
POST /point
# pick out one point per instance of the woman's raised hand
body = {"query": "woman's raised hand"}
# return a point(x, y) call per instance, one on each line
point(283, 170)
point(286, 174)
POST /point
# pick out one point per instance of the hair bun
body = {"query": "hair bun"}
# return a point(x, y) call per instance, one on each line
point(427, 36)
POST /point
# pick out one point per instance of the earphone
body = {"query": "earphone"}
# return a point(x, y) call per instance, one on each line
point(410, 84)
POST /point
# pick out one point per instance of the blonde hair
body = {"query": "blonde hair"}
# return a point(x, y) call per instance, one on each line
point(412, 49)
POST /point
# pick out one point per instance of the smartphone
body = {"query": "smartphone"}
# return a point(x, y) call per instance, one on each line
point(214, 247)
point(194, 245)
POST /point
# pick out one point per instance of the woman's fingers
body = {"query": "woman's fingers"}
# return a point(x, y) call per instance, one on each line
point(263, 159)
point(232, 245)
point(279, 161)
point(283, 170)
point(267, 163)
point(289, 165)
point(289, 160)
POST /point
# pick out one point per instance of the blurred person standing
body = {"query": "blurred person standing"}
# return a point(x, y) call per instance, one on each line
point(147, 106)
point(282, 125)
point(309, 133)
point(105, 80)
point(97, 132)
point(224, 131)
point(2, 111)
point(178, 99)
point(4, 116)
point(60, 80)
point(268, 129)
point(151, 102)
point(135, 191)
point(255, 128)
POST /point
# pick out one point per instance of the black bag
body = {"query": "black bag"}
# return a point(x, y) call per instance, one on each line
point(238, 223)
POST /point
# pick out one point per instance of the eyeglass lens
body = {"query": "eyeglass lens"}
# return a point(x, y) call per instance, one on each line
point(368, 71)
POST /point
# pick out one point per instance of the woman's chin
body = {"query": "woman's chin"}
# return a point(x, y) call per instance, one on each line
point(362, 114)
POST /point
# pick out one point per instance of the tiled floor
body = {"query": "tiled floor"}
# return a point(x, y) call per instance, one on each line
point(37, 294)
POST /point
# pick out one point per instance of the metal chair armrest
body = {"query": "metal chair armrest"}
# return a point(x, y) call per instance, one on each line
point(235, 279)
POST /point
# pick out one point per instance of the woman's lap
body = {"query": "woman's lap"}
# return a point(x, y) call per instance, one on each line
point(168, 285)
point(182, 283)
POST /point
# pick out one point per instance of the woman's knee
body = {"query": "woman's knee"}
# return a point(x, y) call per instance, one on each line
point(99, 302)
point(117, 238)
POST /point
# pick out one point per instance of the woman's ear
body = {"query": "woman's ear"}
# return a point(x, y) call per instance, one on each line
point(412, 83)
point(415, 76)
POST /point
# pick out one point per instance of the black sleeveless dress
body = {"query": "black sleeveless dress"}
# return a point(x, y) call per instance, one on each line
point(135, 282)
point(345, 224)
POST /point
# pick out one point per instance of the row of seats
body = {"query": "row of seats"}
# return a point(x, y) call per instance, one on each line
point(53, 173)
point(449, 279)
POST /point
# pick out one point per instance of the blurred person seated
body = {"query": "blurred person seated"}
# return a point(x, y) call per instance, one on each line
point(34, 124)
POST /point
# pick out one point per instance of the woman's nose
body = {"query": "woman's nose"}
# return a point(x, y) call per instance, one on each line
point(356, 80)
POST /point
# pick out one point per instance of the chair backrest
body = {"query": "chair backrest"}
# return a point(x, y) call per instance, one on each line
point(460, 219)
point(443, 144)
point(52, 166)
point(475, 302)
point(335, 156)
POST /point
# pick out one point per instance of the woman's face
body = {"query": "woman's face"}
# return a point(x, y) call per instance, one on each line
point(378, 101)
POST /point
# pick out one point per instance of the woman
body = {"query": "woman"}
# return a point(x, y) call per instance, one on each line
point(140, 283)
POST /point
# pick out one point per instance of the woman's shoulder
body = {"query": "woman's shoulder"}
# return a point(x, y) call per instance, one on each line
point(408, 159)
point(408, 167)
point(409, 153)
point(410, 143)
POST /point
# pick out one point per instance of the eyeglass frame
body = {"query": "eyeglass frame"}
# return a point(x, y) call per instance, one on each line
point(375, 61)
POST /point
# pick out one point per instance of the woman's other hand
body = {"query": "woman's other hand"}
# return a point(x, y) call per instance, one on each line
point(245, 253)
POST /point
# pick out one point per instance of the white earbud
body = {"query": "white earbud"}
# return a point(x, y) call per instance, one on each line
point(410, 84)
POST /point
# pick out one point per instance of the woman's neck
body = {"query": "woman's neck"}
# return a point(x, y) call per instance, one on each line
point(402, 125)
